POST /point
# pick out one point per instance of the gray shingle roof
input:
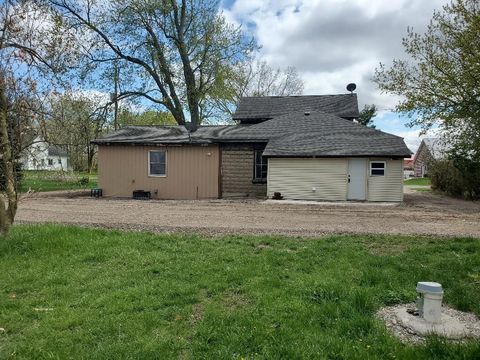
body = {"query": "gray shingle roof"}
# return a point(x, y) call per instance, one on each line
point(295, 134)
point(251, 109)
point(56, 151)
point(166, 134)
point(318, 134)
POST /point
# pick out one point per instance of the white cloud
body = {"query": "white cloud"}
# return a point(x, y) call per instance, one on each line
point(333, 42)
point(413, 138)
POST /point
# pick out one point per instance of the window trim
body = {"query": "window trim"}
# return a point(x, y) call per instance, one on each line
point(255, 179)
point(155, 175)
point(384, 167)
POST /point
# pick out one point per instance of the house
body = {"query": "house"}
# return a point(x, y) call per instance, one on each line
point(305, 147)
point(43, 156)
point(408, 168)
point(429, 149)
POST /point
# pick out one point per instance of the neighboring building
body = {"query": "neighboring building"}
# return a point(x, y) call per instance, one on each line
point(305, 147)
point(429, 149)
point(42, 156)
point(408, 168)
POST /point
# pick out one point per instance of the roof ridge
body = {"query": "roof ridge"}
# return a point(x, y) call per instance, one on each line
point(297, 96)
point(171, 126)
point(311, 112)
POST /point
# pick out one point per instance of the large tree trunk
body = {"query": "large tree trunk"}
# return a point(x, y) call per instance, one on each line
point(8, 206)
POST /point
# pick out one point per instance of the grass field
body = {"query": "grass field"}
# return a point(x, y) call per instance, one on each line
point(418, 181)
point(39, 180)
point(97, 294)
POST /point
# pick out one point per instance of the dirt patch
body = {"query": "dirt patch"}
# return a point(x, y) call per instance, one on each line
point(411, 189)
point(421, 213)
point(234, 299)
point(385, 249)
point(469, 324)
point(67, 194)
point(197, 314)
point(263, 246)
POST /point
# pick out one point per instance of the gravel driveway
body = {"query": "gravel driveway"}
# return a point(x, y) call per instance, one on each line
point(421, 213)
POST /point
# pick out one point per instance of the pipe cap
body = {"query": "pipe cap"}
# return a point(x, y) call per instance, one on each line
point(429, 287)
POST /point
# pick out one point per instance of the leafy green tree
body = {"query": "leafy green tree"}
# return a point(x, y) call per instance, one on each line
point(148, 117)
point(439, 81)
point(72, 122)
point(177, 47)
point(366, 116)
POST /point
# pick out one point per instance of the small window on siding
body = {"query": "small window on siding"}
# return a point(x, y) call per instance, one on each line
point(50, 162)
point(261, 166)
point(377, 168)
point(157, 163)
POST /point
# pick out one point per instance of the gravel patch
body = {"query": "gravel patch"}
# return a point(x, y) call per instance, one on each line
point(420, 214)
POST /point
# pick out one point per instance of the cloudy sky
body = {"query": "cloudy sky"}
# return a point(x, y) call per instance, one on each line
point(335, 42)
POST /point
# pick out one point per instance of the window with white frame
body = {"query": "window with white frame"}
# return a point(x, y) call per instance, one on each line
point(50, 162)
point(377, 168)
point(260, 167)
point(157, 163)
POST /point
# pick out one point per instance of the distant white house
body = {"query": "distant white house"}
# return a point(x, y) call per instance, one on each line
point(43, 156)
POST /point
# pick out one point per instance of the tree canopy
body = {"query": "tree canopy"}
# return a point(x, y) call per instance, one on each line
point(146, 118)
point(253, 77)
point(367, 114)
point(177, 49)
point(439, 80)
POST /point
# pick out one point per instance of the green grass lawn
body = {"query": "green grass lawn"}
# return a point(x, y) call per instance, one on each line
point(118, 295)
point(40, 180)
point(418, 181)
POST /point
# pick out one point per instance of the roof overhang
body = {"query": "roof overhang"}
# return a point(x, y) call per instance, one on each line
point(147, 143)
point(390, 156)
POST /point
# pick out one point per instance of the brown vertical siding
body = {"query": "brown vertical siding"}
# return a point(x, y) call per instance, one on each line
point(192, 171)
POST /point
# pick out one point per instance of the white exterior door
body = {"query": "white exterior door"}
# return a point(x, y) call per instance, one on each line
point(357, 178)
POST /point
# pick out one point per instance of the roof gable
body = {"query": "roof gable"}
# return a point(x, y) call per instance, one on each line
point(255, 109)
point(437, 147)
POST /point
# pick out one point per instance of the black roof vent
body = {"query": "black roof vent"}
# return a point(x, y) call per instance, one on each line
point(307, 112)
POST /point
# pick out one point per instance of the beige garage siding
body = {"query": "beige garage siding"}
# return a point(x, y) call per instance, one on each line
point(295, 178)
point(192, 172)
point(388, 187)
